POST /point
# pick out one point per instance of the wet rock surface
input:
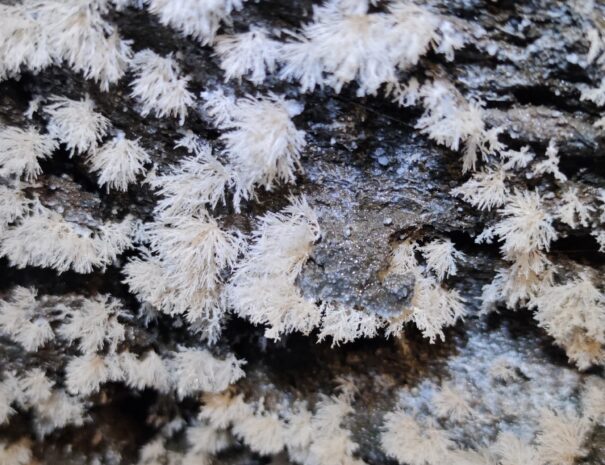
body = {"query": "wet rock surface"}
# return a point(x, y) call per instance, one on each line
point(373, 179)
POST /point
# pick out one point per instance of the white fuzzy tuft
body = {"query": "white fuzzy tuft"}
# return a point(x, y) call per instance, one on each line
point(119, 162)
point(76, 124)
point(159, 86)
point(20, 150)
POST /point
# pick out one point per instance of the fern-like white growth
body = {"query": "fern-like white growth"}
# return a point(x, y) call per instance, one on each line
point(262, 288)
point(344, 324)
point(190, 253)
point(224, 409)
point(511, 450)
point(78, 34)
point(451, 402)
point(432, 306)
point(574, 211)
point(344, 44)
point(408, 442)
point(76, 124)
point(35, 387)
point(148, 371)
point(197, 182)
point(551, 164)
point(23, 42)
point(525, 227)
point(574, 314)
point(452, 121)
point(159, 86)
point(261, 142)
point(119, 162)
point(328, 441)
point(46, 240)
point(58, 411)
point(263, 432)
point(85, 374)
point(485, 189)
point(562, 437)
point(252, 54)
point(197, 370)
point(201, 20)
point(95, 324)
point(13, 205)
point(441, 257)
point(21, 150)
point(20, 320)
point(516, 159)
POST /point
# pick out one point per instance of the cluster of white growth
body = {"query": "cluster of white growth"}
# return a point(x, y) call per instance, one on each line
point(432, 306)
point(119, 162)
point(309, 438)
point(201, 20)
point(186, 258)
point(20, 320)
point(95, 324)
point(47, 240)
point(198, 182)
point(77, 33)
point(252, 54)
point(76, 124)
point(560, 438)
point(574, 314)
point(485, 189)
point(159, 86)
point(345, 43)
point(21, 150)
point(261, 141)
point(38, 33)
point(409, 442)
point(452, 121)
point(197, 370)
point(263, 287)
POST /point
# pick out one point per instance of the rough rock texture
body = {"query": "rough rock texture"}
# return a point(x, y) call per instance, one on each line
point(372, 178)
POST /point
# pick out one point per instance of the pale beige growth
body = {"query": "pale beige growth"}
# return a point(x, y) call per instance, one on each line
point(562, 437)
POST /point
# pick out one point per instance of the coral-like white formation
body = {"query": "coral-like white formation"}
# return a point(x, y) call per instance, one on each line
point(574, 314)
point(344, 43)
point(119, 162)
point(485, 189)
point(94, 324)
point(77, 33)
point(190, 253)
point(441, 257)
point(262, 288)
point(562, 437)
point(526, 227)
point(451, 121)
point(194, 18)
point(76, 124)
point(45, 239)
point(159, 86)
point(20, 150)
point(198, 182)
point(20, 321)
point(197, 370)
point(85, 374)
point(252, 54)
point(405, 440)
point(551, 164)
point(261, 141)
